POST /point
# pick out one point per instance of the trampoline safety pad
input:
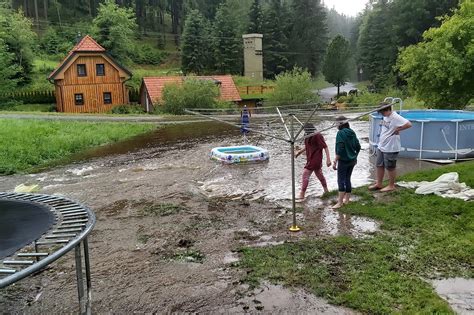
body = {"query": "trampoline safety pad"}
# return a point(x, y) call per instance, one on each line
point(22, 222)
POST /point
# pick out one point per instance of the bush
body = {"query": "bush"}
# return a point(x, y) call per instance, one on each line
point(192, 93)
point(293, 87)
point(127, 109)
point(52, 43)
point(145, 54)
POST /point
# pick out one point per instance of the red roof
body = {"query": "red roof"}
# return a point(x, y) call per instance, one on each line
point(87, 44)
point(228, 90)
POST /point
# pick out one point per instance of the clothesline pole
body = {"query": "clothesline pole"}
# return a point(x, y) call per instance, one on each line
point(294, 227)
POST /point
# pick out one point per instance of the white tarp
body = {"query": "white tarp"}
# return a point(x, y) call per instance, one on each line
point(446, 186)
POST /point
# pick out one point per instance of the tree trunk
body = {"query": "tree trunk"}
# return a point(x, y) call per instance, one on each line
point(338, 85)
point(89, 7)
point(36, 14)
point(58, 12)
point(25, 7)
point(45, 9)
point(94, 7)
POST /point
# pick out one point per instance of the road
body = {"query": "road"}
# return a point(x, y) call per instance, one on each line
point(327, 93)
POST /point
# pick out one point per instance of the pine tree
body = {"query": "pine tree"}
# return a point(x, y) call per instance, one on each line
point(336, 64)
point(115, 29)
point(309, 34)
point(256, 18)
point(275, 40)
point(195, 44)
point(8, 69)
point(228, 45)
point(18, 37)
point(377, 49)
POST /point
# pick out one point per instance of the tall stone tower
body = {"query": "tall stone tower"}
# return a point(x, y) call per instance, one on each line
point(253, 56)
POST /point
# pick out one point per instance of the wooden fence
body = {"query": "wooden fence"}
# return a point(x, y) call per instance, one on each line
point(255, 89)
point(30, 97)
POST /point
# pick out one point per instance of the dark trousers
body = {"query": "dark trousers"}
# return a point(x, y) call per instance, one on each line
point(344, 173)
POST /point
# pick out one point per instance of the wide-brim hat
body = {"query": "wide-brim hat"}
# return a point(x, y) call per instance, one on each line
point(383, 106)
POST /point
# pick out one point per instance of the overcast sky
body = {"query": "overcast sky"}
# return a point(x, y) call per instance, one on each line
point(347, 7)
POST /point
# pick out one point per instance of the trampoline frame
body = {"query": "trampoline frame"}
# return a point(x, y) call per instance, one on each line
point(68, 214)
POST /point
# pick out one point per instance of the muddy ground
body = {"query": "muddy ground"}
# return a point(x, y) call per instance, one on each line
point(170, 223)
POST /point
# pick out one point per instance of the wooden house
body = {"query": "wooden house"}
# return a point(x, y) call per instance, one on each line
point(152, 88)
point(89, 80)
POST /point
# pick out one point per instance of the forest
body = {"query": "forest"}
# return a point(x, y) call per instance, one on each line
point(381, 45)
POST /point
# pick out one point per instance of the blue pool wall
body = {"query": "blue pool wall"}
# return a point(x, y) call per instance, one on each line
point(433, 135)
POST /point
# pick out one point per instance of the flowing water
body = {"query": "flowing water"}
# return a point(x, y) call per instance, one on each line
point(270, 180)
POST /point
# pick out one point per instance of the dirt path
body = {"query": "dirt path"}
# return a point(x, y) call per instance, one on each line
point(169, 226)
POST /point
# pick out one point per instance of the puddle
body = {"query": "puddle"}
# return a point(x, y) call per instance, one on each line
point(276, 299)
point(458, 292)
point(230, 258)
point(83, 171)
point(322, 220)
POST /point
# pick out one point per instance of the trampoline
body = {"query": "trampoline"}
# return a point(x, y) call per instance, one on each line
point(36, 230)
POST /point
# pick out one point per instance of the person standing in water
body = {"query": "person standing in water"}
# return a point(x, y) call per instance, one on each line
point(313, 146)
point(245, 120)
point(347, 150)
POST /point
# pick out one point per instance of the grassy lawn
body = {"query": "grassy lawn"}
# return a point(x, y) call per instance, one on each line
point(29, 144)
point(421, 237)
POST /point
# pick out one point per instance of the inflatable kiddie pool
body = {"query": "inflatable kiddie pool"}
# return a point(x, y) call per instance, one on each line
point(239, 154)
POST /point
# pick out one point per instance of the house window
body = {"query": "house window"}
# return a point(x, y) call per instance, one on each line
point(100, 69)
point(81, 70)
point(107, 98)
point(79, 99)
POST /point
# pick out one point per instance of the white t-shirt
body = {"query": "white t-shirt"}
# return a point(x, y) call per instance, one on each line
point(390, 142)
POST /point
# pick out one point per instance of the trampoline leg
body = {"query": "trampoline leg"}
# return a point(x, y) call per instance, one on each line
point(36, 251)
point(80, 282)
point(88, 276)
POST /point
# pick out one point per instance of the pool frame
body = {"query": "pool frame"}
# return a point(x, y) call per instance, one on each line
point(448, 139)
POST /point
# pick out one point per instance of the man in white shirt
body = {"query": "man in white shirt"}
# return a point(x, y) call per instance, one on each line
point(388, 147)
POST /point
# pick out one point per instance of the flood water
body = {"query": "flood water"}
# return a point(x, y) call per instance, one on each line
point(269, 180)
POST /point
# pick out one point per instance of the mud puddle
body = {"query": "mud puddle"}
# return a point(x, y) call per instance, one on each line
point(276, 299)
point(458, 292)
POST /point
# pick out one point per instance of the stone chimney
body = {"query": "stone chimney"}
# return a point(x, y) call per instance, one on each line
point(253, 56)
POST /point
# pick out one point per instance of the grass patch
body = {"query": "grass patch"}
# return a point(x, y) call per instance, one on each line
point(189, 255)
point(143, 238)
point(163, 209)
point(422, 237)
point(28, 144)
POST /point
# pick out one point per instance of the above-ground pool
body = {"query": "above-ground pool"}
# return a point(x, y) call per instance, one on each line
point(436, 134)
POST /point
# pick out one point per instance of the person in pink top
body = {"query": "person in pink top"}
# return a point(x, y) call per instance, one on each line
point(314, 146)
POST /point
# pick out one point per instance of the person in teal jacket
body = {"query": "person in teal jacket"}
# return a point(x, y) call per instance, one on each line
point(347, 150)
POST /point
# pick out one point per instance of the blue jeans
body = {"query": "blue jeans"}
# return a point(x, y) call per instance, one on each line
point(344, 173)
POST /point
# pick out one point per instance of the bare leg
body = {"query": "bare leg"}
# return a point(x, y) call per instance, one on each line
point(347, 198)
point(379, 178)
point(340, 200)
point(392, 174)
